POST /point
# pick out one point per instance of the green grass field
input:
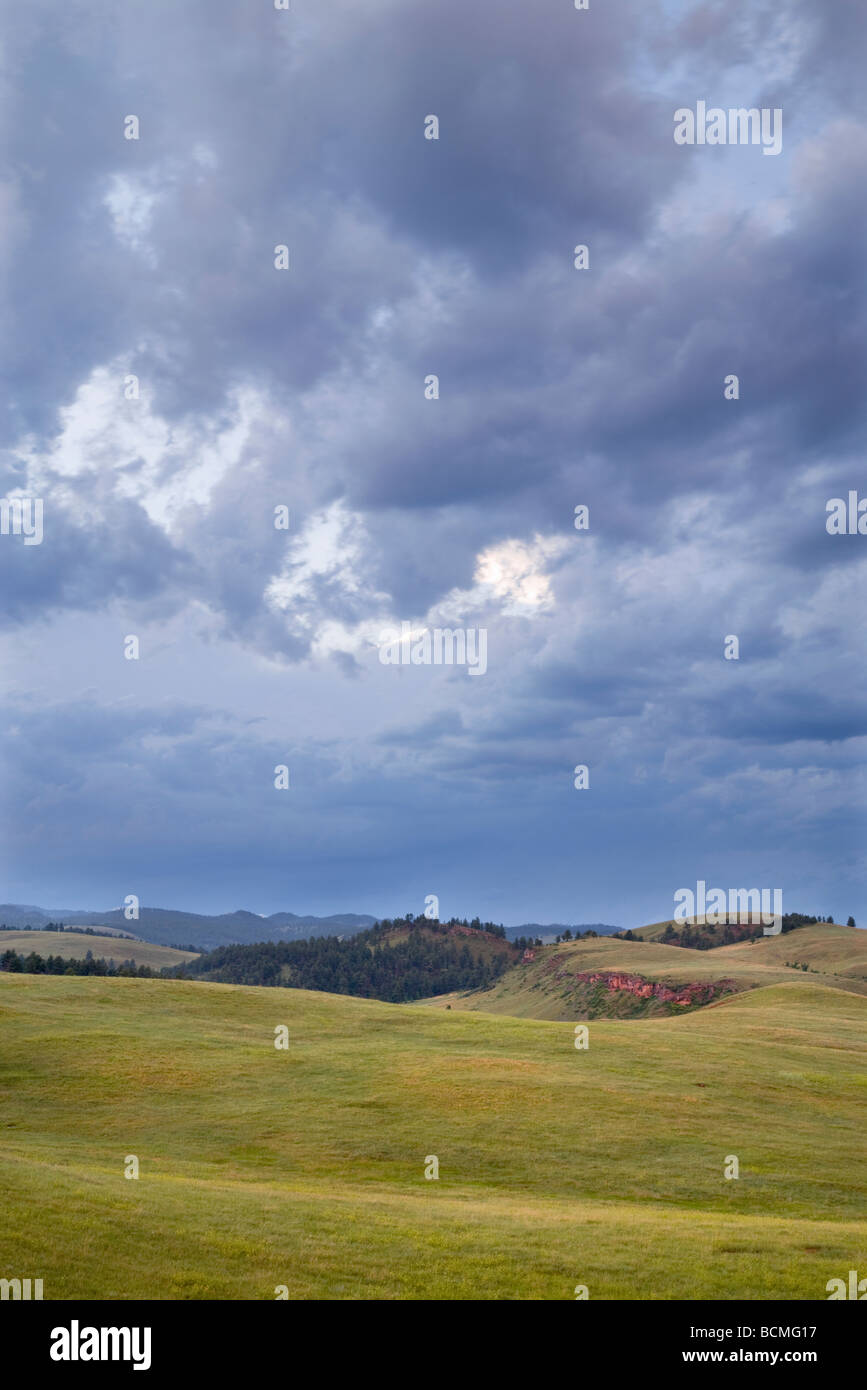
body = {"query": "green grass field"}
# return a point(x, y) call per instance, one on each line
point(75, 946)
point(305, 1167)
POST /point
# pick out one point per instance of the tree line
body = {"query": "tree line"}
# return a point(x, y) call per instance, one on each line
point(705, 936)
point(81, 931)
point(370, 965)
point(34, 964)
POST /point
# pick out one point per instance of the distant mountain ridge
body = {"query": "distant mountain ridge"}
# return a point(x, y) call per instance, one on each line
point(554, 929)
point(168, 927)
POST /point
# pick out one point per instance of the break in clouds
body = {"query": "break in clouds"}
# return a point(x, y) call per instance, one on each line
point(257, 472)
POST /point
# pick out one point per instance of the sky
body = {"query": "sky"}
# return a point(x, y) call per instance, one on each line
point(167, 387)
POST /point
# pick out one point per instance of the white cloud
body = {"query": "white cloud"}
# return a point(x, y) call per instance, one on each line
point(126, 449)
point(131, 204)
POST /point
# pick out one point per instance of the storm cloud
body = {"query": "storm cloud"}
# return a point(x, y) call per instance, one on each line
point(168, 390)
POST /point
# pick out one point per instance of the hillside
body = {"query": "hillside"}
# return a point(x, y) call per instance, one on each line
point(826, 947)
point(394, 961)
point(551, 985)
point(715, 933)
point(305, 1167)
point(482, 945)
point(75, 946)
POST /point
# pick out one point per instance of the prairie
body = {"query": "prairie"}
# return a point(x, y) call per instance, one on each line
point(305, 1167)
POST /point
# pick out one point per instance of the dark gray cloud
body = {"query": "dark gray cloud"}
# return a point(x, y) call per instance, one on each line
point(557, 387)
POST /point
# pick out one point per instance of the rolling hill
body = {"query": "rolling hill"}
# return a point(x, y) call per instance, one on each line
point(75, 946)
point(305, 1167)
point(393, 961)
point(553, 985)
point(827, 948)
point(716, 933)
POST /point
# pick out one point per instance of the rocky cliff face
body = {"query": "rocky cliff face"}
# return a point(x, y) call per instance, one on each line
point(690, 995)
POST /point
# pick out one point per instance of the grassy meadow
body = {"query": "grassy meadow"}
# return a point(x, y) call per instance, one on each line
point(75, 946)
point(305, 1167)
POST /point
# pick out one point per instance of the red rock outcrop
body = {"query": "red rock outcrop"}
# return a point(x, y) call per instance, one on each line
point(689, 995)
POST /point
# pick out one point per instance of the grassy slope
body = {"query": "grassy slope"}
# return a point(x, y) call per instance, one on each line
point(654, 931)
point(531, 991)
point(76, 946)
point(305, 1167)
point(828, 948)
